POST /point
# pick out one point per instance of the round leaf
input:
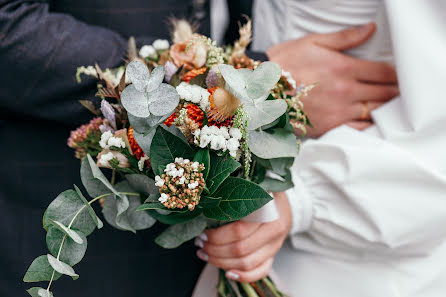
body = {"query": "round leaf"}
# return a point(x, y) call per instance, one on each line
point(72, 252)
point(163, 100)
point(265, 112)
point(279, 144)
point(135, 102)
point(156, 78)
point(61, 267)
point(263, 79)
point(138, 73)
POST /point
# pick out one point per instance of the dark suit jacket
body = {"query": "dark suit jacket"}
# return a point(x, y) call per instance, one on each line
point(41, 45)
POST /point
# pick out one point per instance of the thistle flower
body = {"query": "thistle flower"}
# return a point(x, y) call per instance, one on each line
point(181, 184)
point(223, 104)
point(108, 112)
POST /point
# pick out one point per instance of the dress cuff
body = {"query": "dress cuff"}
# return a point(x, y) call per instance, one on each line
point(301, 206)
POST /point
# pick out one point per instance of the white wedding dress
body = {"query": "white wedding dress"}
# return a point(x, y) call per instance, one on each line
point(369, 208)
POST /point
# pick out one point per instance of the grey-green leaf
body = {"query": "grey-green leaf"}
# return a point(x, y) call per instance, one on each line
point(156, 78)
point(38, 292)
point(163, 100)
point(61, 267)
point(138, 73)
point(177, 234)
point(93, 186)
point(72, 252)
point(44, 293)
point(40, 270)
point(69, 232)
point(240, 198)
point(278, 144)
point(263, 79)
point(142, 183)
point(265, 112)
point(90, 210)
point(135, 102)
point(65, 207)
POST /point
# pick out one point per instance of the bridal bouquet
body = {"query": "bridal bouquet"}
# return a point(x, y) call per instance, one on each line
point(191, 135)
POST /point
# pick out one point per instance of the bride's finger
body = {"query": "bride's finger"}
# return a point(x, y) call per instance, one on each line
point(230, 233)
point(245, 263)
point(359, 125)
point(253, 275)
point(266, 233)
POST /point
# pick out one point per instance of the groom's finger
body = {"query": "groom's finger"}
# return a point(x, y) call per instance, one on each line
point(371, 71)
point(253, 275)
point(231, 233)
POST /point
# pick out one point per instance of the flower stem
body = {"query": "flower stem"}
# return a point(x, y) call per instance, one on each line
point(250, 292)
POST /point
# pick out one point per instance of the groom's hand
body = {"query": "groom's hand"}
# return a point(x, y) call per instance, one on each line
point(345, 82)
point(246, 250)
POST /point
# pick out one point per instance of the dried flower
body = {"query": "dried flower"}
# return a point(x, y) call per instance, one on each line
point(170, 69)
point(223, 104)
point(85, 139)
point(108, 112)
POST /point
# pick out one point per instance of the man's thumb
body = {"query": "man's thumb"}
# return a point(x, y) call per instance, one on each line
point(346, 39)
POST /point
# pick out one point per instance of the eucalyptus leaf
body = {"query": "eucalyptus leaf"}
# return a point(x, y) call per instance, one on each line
point(144, 125)
point(142, 183)
point(279, 144)
point(263, 79)
point(93, 186)
point(40, 270)
point(139, 75)
point(163, 100)
point(281, 166)
point(97, 173)
point(72, 252)
point(90, 210)
point(70, 233)
point(221, 167)
point(65, 207)
point(153, 198)
point(156, 78)
point(274, 185)
point(135, 102)
point(175, 217)
point(264, 113)
point(144, 140)
point(240, 198)
point(44, 293)
point(61, 267)
point(177, 234)
point(34, 292)
point(165, 148)
point(203, 157)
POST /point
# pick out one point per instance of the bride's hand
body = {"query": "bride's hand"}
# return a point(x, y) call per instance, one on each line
point(246, 250)
point(348, 89)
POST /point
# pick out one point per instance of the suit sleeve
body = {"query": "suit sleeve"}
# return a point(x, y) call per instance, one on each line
point(39, 54)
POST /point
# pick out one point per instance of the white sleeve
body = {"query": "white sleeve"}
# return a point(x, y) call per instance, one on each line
point(383, 191)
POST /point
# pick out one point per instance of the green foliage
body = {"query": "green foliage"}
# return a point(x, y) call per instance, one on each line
point(61, 267)
point(40, 270)
point(203, 157)
point(173, 218)
point(240, 197)
point(177, 234)
point(39, 292)
point(72, 252)
point(165, 148)
point(276, 143)
point(221, 167)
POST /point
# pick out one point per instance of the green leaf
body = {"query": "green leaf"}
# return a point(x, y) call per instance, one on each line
point(144, 140)
point(158, 205)
point(203, 157)
point(70, 233)
point(278, 144)
point(90, 210)
point(65, 207)
point(176, 235)
point(142, 183)
point(93, 186)
point(175, 217)
point(40, 270)
point(97, 174)
point(72, 252)
point(62, 267)
point(209, 202)
point(34, 292)
point(240, 198)
point(221, 167)
point(262, 79)
point(264, 113)
point(165, 148)
point(274, 185)
point(280, 165)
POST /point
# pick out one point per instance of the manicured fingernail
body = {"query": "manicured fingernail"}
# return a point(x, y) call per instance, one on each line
point(198, 242)
point(202, 255)
point(203, 236)
point(232, 275)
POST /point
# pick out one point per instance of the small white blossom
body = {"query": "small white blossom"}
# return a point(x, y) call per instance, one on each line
point(194, 94)
point(147, 51)
point(159, 182)
point(116, 141)
point(104, 138)
point(289, 78)
point(192, 185)
point(182, 180)
point(224, 132)
point(141, 162)
point(164, 197)
point(105, 158)
point(205, 139)
point(195, 166)
point(235, 133)
point(161, 44)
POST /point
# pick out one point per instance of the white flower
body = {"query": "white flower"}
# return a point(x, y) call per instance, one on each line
point(164, 197)
point(232, 144)
point(159, 182)
point(179, 161)
point(195, 166)
point(192, 185)
point(205, 139)
point(147, 51)
point(235, 133)
point(186, 161)
point(141, 162)
point(104, 138)
point(182, 180)
point(105, 158)
point(218, 142)
point(194, 94)
point(224, 132)
point(115, 141)
point(160, 44)
point(205, 130)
